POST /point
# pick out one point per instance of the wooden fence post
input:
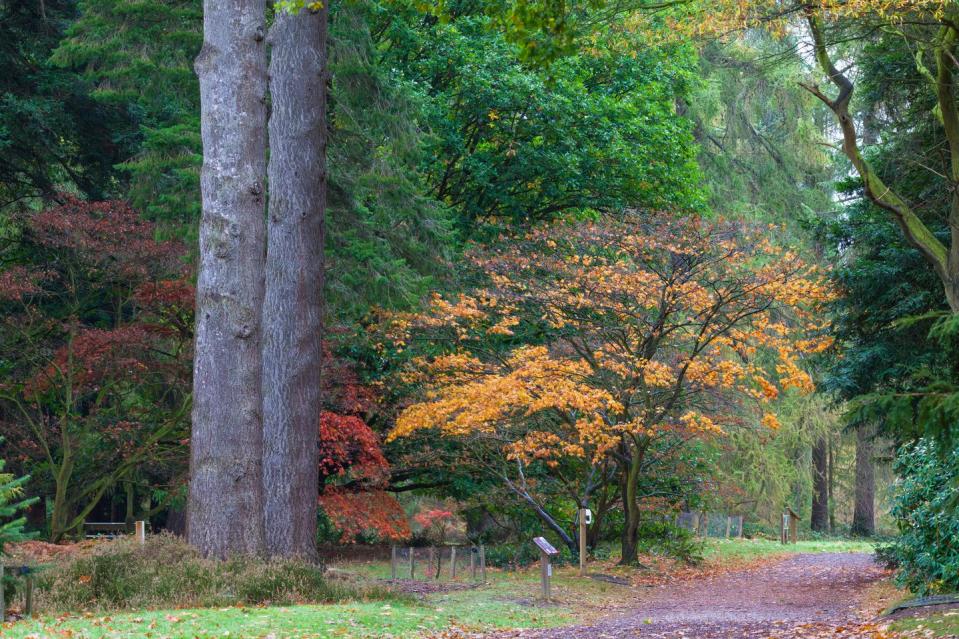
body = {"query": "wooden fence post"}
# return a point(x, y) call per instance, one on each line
point(729, 524)
point(544, 570)
point(482, 558)
point(29, 596)
point(582, 542)
point(141, 532)
point(436, 575)
point(452, 562)
point(740, 526)
point(412, 562)
point(472, 563)
point(393, 563)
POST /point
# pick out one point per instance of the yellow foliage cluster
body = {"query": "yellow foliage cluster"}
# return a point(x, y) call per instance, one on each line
point(652, 326)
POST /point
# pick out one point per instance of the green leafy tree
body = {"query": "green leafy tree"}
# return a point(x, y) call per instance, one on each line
point(514, 143)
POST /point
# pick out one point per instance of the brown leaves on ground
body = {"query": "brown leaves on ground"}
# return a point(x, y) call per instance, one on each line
point(41, 552)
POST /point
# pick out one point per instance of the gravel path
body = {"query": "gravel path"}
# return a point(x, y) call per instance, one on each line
point(814, 595)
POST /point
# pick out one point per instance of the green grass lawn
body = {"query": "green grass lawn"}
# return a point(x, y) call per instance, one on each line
point(720, 549)
point(361, 619)
point(508, 600)
point(944, 624)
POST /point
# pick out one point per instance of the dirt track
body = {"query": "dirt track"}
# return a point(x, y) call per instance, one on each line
point(815, 595)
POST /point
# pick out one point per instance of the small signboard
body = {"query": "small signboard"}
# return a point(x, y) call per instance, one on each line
point(545, 546)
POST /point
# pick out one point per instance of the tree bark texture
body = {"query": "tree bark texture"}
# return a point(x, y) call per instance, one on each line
point(293, 307)
point(819, 521)
point(226, 495)
point(864, 511)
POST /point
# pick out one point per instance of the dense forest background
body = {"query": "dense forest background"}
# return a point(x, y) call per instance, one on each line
point(453, 149)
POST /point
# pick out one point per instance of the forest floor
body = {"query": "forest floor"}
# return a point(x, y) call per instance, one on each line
point(744, 589)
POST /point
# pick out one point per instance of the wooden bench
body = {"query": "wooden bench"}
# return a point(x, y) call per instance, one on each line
point(93, 529)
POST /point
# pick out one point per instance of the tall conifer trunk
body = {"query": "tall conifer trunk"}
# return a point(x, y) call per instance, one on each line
point(864, 511)
point(226, 499)
point(293, 308)
point(819, 521)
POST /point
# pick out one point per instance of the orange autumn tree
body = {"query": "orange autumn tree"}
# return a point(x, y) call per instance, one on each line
point(599, 350)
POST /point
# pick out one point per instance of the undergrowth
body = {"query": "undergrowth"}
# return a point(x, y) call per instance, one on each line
point(168, 573)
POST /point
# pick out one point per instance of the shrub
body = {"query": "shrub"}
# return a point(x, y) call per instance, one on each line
point(512, 556)
point(168, 573)
point(11, 522)
point(926, 550)
point(661, 537)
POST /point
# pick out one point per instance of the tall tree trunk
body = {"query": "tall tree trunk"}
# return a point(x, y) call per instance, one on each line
point(832, 484)
point(226, 481)
point(630, 541)
point(820, 487)
point(864, 515)
point(293, 308)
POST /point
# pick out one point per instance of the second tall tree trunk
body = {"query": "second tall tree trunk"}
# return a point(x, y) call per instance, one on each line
point(819, 521)
point(226, 493)
point(293, 307)
point(864, 512)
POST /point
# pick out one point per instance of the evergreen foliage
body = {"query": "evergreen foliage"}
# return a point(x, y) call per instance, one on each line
point(761, 136)
point(53, 135)
point(12, 505)
point(138, 56)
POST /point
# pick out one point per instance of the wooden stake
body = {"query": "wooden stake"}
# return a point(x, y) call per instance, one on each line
point(393, 562)
point(582, 542)
point(729, 523)
point(29, 602)
point(483, 562)
point(544, 574)
point(412, 562)
point(473, 563)
point(436, 575)
point(141, 532)
point(452, 562)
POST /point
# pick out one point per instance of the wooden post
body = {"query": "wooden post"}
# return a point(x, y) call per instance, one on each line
point(452, 562)
point(29, 595)
point(472, 563)
point(582, 542)
point(412, 562)
point(544, 574)
point(3, 605)
point(393, 562)
point(740, 526)
point(436, 574)
point(140, 528)
point(729, 524)
point(546, 551)
point(482, 558)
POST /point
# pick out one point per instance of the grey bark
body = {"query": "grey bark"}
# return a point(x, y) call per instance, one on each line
point(864, 511)
point(293, 307)
point(819, 520)
point(226, 495)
